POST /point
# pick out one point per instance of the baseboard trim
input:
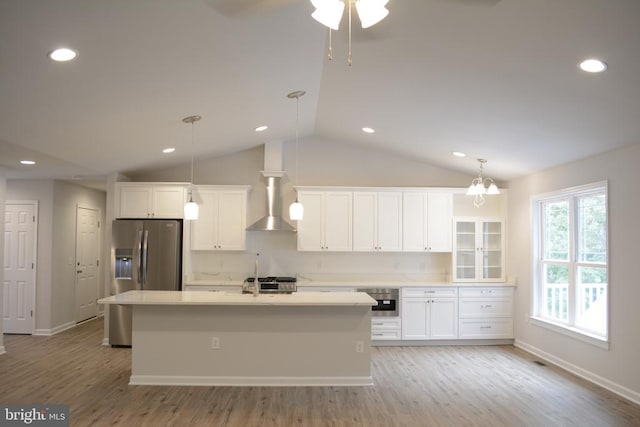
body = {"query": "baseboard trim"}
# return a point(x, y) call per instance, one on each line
point(423, 343)
point(105, 342)
point(249, 381)
point(56, 330)
point(2, 350)
point(613, 387)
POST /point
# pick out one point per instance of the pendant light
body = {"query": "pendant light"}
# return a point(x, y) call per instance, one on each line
point(191, 208)
point(296, 210)
point(481, 186)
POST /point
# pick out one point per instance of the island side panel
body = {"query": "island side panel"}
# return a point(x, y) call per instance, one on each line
point(259, 345)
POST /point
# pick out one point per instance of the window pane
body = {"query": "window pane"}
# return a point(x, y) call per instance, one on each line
point(592, 229)
point(592, 299)
point(556, 231)
point(555, 292)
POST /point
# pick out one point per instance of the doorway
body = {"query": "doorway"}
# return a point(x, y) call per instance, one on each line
point(19, 267)
point(87, 262)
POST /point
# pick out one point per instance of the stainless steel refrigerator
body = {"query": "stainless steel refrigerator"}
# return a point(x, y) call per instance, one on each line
point(145, 254)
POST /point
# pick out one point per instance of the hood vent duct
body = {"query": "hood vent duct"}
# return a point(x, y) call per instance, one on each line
point(273, 220)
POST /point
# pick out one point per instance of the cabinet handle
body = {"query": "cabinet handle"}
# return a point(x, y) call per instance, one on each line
point(429, 292)
point(377, 334)
point(485, 327)
point(378, 324)
point(486, 306)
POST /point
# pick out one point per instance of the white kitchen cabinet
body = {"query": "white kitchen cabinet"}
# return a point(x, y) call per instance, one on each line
point(486, 313)
point(386, 328)
point(222, 219)
point(429, 313)
point(426, 221)
point(149, 200)
point(327, 221)
point(478, 250)
point(377, 221)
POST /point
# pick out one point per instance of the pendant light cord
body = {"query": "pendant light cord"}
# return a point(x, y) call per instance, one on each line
point(297, 136)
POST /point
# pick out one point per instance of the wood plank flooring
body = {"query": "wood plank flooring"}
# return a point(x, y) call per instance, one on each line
point(414, 386)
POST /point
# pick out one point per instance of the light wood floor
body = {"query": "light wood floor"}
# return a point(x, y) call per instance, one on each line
point(414, 386)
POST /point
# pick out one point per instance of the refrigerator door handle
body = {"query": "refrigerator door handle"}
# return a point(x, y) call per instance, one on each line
point(145, 257)
point(139, 249)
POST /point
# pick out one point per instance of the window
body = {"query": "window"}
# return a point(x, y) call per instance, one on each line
point(571, 260)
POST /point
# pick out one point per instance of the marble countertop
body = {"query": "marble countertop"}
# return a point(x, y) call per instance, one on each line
point(223, 298)
point(347, 281)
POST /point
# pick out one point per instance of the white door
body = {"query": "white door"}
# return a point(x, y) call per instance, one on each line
point(365, 220)
point(337, 221)
point(390, 222)
point(439, 213)
point(310, 228)
point(87, 262)
point(231, 220)
point(443, 319)
point(19, 266)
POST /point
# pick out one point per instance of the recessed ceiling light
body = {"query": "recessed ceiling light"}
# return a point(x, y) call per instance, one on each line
point(168, 150)
point(63, 54)
point(368, 130)
point(27, 162)
point(261, 128)
point(593, 65)
point(459, 154)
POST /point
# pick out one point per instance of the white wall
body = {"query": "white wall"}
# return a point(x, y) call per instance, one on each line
point(617, 367)
point(3, 190)
point(322, 163)
point(55, 277)
point(66, 197)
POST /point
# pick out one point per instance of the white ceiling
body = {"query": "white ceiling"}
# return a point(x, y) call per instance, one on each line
point(496, 79)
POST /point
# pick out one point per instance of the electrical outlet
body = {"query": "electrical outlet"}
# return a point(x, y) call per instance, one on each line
point(359, 347)
point(215, 343)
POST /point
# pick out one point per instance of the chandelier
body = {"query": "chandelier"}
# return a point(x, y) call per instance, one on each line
point(481, 186)
point(329, 13)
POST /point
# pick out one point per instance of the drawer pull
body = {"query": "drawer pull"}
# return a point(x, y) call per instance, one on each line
point(378, 324)
point(486, 306)
point(429, 292)
point(485, 327)
point(377, 334)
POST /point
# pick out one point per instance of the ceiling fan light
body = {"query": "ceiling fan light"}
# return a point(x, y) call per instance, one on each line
point(371, 12)
point(296, 211)
point(328, 12)
point(191, 210)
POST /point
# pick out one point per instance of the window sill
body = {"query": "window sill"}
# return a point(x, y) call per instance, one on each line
point(570, 332)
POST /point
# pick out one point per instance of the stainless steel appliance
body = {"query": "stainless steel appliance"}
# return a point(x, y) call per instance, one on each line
point(271, 285)
point(388, 301)
point(145, 254)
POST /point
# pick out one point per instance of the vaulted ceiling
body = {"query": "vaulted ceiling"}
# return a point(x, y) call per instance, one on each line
point(497, 79)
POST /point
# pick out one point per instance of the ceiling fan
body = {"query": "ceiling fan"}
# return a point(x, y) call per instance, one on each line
point(233, 8)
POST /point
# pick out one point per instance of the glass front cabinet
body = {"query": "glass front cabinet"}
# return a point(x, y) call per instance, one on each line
point(478, 250)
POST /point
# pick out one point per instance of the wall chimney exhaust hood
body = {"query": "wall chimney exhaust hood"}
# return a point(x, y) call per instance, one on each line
point(272, 173)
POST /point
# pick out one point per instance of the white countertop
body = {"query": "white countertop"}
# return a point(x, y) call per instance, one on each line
point(347, 281)
point(223, 298)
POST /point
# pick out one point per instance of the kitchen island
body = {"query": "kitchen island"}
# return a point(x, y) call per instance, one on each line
point(218, 338)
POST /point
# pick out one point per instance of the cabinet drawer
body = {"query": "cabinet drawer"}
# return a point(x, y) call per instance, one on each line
point(429, 292)
point(380, 335)
point(383, 324)
point(486, 292)
point(485, 328)
point(486, 307)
